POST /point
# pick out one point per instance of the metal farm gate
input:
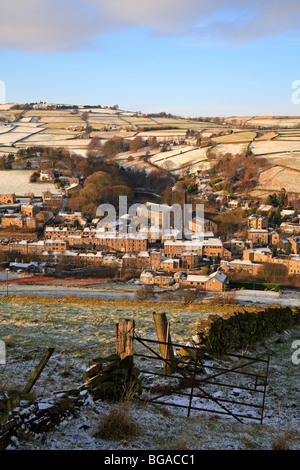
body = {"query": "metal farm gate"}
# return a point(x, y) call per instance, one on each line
point(204, 380)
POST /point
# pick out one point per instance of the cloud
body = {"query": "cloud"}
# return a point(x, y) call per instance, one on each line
point(47, 25)
point(60, 25)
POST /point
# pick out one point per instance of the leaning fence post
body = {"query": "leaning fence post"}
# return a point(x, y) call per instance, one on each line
point(38, 370)
point(125, 338)
point(163, 334)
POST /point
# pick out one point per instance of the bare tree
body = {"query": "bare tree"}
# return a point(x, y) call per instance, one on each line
point(145, 293)
point(189, 295)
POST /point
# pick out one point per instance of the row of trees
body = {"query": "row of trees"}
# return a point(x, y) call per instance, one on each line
point(6, 161)
point(239, 172)
point(116, 145)
point(278, 199)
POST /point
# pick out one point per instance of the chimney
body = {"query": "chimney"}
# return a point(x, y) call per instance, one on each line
point(185, 197)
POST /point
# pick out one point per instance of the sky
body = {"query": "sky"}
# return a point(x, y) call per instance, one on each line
point(185, 57)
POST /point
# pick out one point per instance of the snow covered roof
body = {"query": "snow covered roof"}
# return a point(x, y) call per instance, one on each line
point(199, 278)
point(146, 274)
point(256, 230)
point(143, 254)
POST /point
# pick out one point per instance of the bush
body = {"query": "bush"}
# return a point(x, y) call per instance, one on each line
point(145, 293)
point(118, 424)
point(189, 295)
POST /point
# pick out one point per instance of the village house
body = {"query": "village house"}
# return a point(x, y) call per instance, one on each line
point(156, 215)
point(247, 205)
point(29, 210)
point(52, 199)
point(204, 187)
point(154, 234)
point(56, 245)
point(23, 247)
point(155, 259)
point(215, 282)
point(294, 264)
point(12, 220)
point(111, 260)
point(47, 175)
point(18, 221)
point(127, 243)
point(179, 277)
point(60, 232)
point(147, 277)
point(72, 188)
point(284, 246)
point(31, 267)
point(7, 199)
point(202, 225)
point(265, 209)
point(129, 261)
point(90, 259)
point(71, 218)
point(293, 228)
point(174, 248)
point(189, 260)
point(274, 238)
point(258, 236)
point(257, 222)
point(160, 279)
point(234, 203)
point(97, 240)
point(237, 246)
point(221, 199)
point(258, 255)
point(169, 264)
point(295, 245)
point(241, 265)
point(211, 248)
point(214, 249)
point(265, 255)
point(287, 213)
point(191, 141)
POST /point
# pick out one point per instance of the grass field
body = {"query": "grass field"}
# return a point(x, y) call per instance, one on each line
point(279, 177)
point(17, 182)
point(274, 146)
point(78, 333)
point(182, 157)
point(287, 159)
point(236, 137)
point(273, 121)
point(50, 128)
point(234, 149)
point(161, 157)
point(267, 136)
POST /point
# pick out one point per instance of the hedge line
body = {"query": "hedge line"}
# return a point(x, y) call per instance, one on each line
point(244, 329)
point(255, 285)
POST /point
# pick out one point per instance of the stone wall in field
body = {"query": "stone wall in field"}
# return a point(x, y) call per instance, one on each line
point(243, 329)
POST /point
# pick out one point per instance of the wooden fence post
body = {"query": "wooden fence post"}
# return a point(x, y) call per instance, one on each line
point(125, 338)
point(38, 370)
point(163, 335)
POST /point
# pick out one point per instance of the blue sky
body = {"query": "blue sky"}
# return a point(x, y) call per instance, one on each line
point(192, 58)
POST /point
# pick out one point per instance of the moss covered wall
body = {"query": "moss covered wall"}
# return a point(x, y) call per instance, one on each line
point(243, 329)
